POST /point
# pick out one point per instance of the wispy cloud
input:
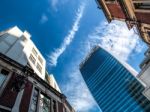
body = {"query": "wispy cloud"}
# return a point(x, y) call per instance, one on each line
point(117, 39)
point(53, 57)
point(77, 92)
point(43, 19)
point(54, 3)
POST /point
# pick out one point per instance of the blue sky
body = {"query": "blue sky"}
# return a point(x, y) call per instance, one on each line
point(65, 31)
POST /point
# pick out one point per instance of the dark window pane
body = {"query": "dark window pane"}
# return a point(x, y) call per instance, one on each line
point(34, 101)
point(44, 103)
point(3, 76)
point(145, 6)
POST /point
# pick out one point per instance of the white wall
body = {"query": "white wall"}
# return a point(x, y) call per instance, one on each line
point(18, 46)
point(53, 83)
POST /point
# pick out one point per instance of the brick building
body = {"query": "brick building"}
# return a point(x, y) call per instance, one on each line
point(22, 90)
point(25, 86)
point(133, 12)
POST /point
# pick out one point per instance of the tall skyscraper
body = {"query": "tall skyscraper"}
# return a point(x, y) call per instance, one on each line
point(113, 83)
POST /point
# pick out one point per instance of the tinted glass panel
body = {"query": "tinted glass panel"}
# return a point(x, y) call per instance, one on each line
point(112, 85)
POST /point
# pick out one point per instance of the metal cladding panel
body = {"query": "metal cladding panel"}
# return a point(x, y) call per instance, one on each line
point(114, 88)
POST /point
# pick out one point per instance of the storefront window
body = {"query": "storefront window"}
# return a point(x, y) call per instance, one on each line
point(34, 101)
point(3, 76)
point(45, 104)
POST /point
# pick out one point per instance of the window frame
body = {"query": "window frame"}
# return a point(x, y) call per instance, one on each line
point(31, 99)
point(6, 80)
point(34, 52)
point(50, 100)
point(144, 10)
point(32, 59)
point(54, 106)
point(110, 1)
point(39, 67)
point(145, 29)
point(35, 87)
point(40, 59)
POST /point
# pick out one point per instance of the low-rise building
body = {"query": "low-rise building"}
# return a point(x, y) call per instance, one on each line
point(22, 90)
point(23, 87)
point(18, 46)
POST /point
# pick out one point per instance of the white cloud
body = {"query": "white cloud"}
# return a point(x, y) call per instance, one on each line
point(53, 57)
point(54, 3)
point(77, 92)
point(43, 19)
point(75, 88)
point(116, 38)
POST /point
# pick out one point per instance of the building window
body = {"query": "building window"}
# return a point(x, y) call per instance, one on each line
point(148, 52)
point(39, 68)
point(3, 76)
point(148, 33)
point(40, 59)
point(34, 52)
point(147, 62)
point(143, 6)
point(110, 0)
point(34, 101)
point(45, 104)
point(54, 106)
point(32, 59)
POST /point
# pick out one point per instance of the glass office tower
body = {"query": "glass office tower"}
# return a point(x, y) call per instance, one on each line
point(113, 84)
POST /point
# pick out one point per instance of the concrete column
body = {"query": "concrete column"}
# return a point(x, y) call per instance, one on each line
point(17, 102)
point(38, 103)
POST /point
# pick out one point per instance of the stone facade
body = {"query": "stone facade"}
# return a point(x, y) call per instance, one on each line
point(22, 90)
point(133, 12)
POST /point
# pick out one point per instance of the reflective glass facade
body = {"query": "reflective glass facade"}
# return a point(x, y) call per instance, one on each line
point(114, 88)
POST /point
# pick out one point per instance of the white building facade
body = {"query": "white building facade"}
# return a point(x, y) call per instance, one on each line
point(25, 85)
point(52, 82)
point(18, 46)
